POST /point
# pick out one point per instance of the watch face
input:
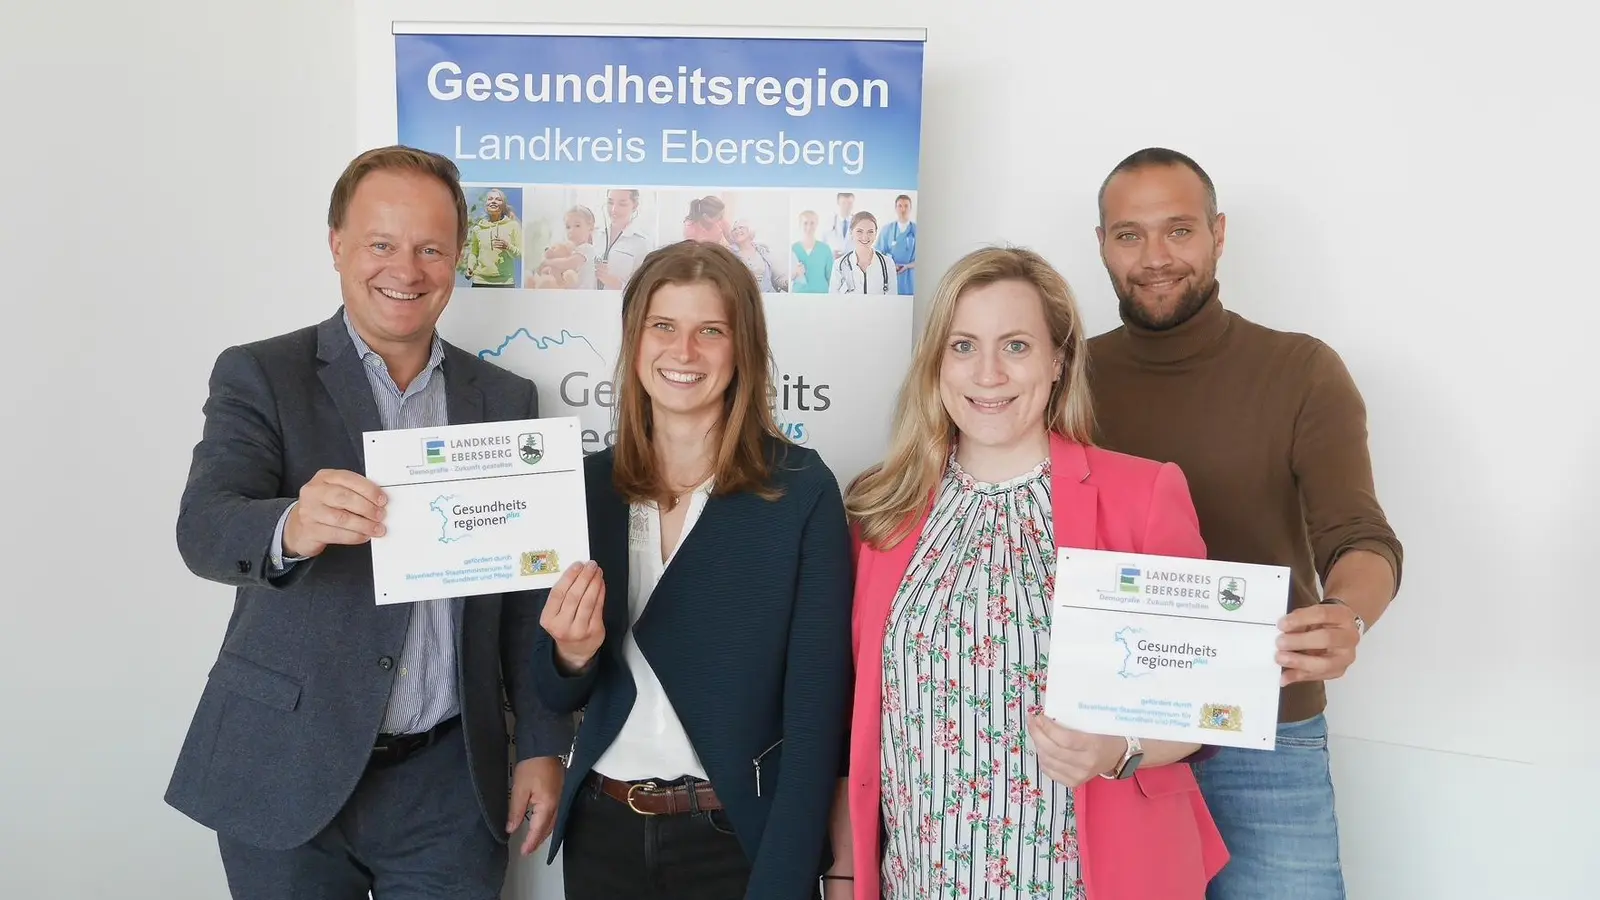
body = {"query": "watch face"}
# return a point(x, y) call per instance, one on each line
point(1131, 766)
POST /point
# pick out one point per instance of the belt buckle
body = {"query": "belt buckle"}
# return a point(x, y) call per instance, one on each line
point(648, 787)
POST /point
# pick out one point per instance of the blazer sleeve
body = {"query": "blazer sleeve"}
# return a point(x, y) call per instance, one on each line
point(541, 729)
point(816, 708)
point(233, 498)
point(1172, 528)
point(857, 544)
point(559, 692)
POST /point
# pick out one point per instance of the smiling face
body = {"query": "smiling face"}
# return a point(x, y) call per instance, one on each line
point(1159, 244)
point(998, 370)
point(686, 353)
point(494, 203)
point(866, 232)
point(395, 253)
point(621, 206)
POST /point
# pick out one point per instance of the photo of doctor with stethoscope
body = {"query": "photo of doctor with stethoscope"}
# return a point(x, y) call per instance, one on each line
point(623, 245)
point(862, 269)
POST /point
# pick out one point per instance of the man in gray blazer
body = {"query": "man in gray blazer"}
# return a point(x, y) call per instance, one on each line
point(342, 747)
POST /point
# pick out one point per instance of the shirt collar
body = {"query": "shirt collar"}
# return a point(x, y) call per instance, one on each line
point(368, 355)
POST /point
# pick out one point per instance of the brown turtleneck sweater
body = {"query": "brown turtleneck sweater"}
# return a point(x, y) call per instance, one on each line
point(1270, 431)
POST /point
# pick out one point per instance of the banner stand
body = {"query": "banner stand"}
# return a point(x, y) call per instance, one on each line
point(581, 148)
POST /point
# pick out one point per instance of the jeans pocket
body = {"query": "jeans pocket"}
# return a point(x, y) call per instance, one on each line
point(1312, 734)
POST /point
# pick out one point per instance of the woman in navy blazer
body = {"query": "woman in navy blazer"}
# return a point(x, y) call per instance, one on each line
point(708, 641)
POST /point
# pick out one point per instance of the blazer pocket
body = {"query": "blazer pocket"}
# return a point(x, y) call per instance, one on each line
point(1164, 780)
point(247, 679)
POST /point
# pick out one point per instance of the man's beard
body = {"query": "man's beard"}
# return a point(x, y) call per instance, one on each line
point(1188, 304)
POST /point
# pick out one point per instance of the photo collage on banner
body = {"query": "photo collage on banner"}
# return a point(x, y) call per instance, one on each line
point(581, 153)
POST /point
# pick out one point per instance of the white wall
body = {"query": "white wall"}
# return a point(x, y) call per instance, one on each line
point(1412, 187)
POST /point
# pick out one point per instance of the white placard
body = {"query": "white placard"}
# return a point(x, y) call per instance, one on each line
point(1166, 648)
point(477, 509)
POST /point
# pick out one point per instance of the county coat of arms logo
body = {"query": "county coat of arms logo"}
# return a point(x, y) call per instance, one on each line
point(530, 447)
point(1230, 593)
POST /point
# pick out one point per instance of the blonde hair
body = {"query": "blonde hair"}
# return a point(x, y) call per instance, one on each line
point(886, 500)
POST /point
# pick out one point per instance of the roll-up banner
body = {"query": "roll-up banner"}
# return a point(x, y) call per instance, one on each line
point(582, 148)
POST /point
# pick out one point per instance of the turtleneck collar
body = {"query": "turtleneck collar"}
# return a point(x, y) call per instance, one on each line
point(1177, 344)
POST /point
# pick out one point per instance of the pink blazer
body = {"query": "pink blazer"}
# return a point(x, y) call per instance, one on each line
point(1147, 838)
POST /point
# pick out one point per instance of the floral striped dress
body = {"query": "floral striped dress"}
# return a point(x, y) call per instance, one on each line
point(969, 814)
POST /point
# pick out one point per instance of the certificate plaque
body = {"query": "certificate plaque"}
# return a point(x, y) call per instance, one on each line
point(477, 509)
point(1166, 648)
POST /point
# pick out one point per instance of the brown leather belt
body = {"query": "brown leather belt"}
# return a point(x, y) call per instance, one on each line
point(648, 798)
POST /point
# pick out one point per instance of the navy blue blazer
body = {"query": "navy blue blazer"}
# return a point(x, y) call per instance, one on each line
point(749, 633)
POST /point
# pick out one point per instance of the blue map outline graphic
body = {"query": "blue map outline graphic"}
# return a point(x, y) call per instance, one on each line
point(543, 342)
point(444, 524)
point(1122, 638)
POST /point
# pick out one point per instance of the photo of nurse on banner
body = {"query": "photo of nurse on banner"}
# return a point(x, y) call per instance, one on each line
point(854, 242)
point(588, 238)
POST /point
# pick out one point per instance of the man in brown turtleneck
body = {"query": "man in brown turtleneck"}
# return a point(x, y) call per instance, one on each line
point(1271, 432)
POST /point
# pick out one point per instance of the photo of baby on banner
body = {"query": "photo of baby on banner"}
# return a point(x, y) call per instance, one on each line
point(587, 239)
point(492, 255)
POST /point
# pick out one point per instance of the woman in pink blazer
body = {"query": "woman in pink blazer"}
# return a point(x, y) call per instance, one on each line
point(958, 785)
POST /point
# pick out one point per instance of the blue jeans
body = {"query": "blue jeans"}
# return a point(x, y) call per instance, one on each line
point(1275, 811)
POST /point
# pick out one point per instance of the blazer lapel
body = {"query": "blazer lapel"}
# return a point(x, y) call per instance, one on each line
point(887, 569)
point(690, 548)
point(1074, 502)
point(608, 546)
point(462, 396)
point(463, 405)
point(343, 375)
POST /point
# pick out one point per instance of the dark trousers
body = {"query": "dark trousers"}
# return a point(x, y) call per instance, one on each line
point(611, 852)
point(411, 831)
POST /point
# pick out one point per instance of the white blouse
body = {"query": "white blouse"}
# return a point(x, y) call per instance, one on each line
point(652, 743)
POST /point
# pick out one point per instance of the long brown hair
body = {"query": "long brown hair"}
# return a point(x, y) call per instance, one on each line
point(747, 423)
point(884, 501)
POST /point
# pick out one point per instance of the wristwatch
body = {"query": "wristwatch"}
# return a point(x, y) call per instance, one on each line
point(1129, 762)
point(1361, 624)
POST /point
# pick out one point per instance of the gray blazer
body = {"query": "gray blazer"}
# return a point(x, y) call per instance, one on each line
point(291, 708)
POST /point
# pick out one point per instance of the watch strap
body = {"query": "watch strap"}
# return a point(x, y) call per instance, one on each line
point(1121, 769)
point(1361, 624)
